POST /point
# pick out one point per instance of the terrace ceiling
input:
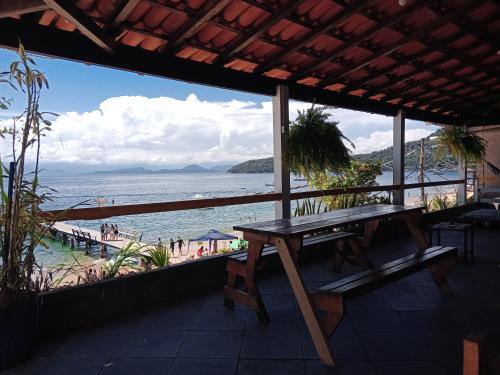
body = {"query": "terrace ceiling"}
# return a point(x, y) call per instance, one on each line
point(439, 60)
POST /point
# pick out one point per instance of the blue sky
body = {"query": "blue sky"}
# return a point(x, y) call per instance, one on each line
point(111, 117)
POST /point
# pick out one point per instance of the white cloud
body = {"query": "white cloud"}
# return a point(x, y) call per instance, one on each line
point(379, 140)
point(167, 131)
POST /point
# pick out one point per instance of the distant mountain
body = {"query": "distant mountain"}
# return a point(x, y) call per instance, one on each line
point(137, 170)
point(221, 168)
point(384, 157)
point(265, 165)
point(192, 168)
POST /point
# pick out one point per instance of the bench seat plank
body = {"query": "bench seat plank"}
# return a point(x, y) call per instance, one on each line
point(363, 282)
point(308, 242)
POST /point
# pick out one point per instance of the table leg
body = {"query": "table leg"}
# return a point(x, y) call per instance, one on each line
point(320, 339)
point(466, 246)
point(472, 244)
point(251, 296)
point(411, 221)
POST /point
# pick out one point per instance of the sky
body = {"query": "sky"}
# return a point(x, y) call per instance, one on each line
point(109, 117)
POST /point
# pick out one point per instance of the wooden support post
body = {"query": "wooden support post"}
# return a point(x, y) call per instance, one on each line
point(280, 139)
point(472, 354)
point(462, 188)
point(398, 156)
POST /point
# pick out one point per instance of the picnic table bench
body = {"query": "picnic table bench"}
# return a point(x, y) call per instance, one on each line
point(287, 235)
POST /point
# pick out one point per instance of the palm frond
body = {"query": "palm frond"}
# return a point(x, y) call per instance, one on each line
point(316, 143)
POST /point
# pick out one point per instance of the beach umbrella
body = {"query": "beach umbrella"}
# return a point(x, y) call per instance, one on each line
point(213, 235)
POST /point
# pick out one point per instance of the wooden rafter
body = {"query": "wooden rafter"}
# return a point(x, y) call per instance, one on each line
point(357, 40)
point(15, 8)
point(448, 74)
point(87, 27)
point(475, 86)
point(192, 26)
point(478, 33)
point(384, 51)
point(123, 10)
point(441, 46)
point(241, 43)
point(413, 59)
point(329, 25)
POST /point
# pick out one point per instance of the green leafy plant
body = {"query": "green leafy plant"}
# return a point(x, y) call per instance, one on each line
point(441, 202)
point(22, 229)
point(157, 256)
point(457, 141)
point(126, 257)
point(316, 143)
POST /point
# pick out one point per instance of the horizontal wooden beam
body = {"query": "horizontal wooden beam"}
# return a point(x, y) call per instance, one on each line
point(87, 27)
point(148, 208)
point(369, 189)
point(73, 46)
point(15, 8)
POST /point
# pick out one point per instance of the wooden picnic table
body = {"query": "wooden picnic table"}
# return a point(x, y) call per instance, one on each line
point(287, 235)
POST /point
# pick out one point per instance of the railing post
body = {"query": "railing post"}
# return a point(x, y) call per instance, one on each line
point(398, 156)
point(281, 125)
point(462, 188)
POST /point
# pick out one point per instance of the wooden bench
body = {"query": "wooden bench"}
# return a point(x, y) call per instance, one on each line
point(237, 266)
point(331, 297)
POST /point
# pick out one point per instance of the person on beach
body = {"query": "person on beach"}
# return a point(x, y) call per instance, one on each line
point(214, 247)
point(160, 244)
point(172, 246)
point(200, 252)
point(106, 231)
point(115, 232)
point(180, 243)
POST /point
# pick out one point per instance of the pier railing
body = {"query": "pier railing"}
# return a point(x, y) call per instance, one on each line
point(93, 213)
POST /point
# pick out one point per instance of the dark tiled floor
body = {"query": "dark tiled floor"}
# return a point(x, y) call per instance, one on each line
point(404, 328)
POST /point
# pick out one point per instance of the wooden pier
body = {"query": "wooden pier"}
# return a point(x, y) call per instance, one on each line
point(94, 238)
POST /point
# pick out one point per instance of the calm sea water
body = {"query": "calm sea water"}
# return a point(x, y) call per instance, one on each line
point(86, 190)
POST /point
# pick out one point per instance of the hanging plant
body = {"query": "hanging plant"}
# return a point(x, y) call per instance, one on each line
point(457, 141)
point(316, 143)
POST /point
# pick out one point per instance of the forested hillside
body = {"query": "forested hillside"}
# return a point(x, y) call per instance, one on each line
point(412, 150)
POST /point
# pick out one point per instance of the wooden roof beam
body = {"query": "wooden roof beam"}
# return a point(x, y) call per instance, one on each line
point(192, 26)
point(415, 35)
point(15, 8)
point(432, 46)
point(87, 27)
point(329, 25)
point(241, 43)
point(357, 40)
point(123, 11)
point(449, 74)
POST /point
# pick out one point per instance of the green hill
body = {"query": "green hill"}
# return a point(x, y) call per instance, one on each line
point(254, 166)
point(384, 157)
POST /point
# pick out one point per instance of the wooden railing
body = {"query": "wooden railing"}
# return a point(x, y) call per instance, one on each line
point(147, 208)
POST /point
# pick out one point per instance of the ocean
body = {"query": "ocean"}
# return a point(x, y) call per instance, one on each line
point(88, 190)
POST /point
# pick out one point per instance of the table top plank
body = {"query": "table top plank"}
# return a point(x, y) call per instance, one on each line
point(301, 225)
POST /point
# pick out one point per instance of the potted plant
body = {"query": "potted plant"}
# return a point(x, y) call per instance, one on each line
point(21, 228)
point(465, 146)
point(315, 143)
